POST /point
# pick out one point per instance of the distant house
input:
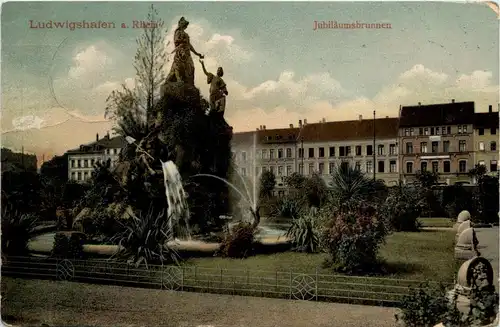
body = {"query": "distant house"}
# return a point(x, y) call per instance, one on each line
point(438, 138)
point(82, 161)
point(486, 140)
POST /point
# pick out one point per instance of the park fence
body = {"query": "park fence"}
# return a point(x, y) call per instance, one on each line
point(276, 284)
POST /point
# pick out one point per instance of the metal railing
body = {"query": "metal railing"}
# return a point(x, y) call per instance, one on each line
point(277, 284)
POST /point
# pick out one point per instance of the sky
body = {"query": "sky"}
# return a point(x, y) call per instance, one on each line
point(278, 69)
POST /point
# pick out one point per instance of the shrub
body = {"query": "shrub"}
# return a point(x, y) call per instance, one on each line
point(353, 239)
point(239, 242)
point(425, 306)
point(68, 247)
point(17, 230)
point(304, 232)
point(288, 207)
point(402, 208)
point(145, 240)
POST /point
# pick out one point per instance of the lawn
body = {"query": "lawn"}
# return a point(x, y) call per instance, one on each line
point(425, 255)
point(436, 222)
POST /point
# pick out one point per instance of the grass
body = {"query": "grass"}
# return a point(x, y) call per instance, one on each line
point(426, 255)
point(436, 222)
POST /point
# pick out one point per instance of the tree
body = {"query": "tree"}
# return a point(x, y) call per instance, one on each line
point(267, 184)
point(426, 178)
point(295, 181)
point(315, 190)
point(478, 172)
point(133, 109)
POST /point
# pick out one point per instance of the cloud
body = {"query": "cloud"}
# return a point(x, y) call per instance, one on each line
point(89, 61)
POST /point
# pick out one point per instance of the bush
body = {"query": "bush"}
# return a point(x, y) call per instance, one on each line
point(288, 207)
point(17, 230)
point(353, 239)
point(402, 208)
point(239, 242)
point(424, 307)
point(68, 247)
point(304, 232)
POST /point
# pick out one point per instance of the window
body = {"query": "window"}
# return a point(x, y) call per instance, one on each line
point(358, 150)
point(482, 163)
point(462, 166)
point(331, 167)
point(347, 150)
point(493, 165)
point(423, 166)
point(493, 146)
point(461, 146)
point(243, 171)
point(459, 129)
point(464, 129)
point(435, 167)
point(446, 146)
point(381, 166)
point(369, 150)
point(288, 170)
point(321, 168)
point(288, 153)
point(411, 132)
point(73, 164)
point(446, 167)
point(244, 156)
point(409, 147)
point(301, 153)
point(271, 154)
point(264, 154)
point(381, 150)
point(264, 169)
point(369, 167)
point(321, 152)
point(73, 176)
point(344, 165)
point(421, 131)
point(332, 151)
point(423, 147)
point(493, 131)
point(432, 130)
point(311, 152)
point(80, 164)
point(435, 147)
point(79, 178)
point(438, 131)
point(480, 131)
point(448, 129)
point(280, 153)
point(341, 151)
point(92, 162)
point(407, 132)
point(271, 169)
point(426, 131)
point(301, 169)
point(392, 166)
point(311, 168)
point(280, 170)
point(481, 146)
point(357, 165)
point(392, 149)
point(256, 171)
point(409, 167)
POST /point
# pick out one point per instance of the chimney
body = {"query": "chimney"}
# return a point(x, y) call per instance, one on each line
point(324, 120)
point(452, 100)
point(257, 128)
point(291, 125)
point(305, 121)
point(97, 136)
point(360, 117)
point(420, 103)
point(264, 127)
point(490, 108)
point(107, 135)
point(386, 116)
point(300, 123)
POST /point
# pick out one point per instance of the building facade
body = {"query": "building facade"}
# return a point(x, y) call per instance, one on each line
point(358, 143)
point(437, 138)
point(82, 161)
point(486, 140)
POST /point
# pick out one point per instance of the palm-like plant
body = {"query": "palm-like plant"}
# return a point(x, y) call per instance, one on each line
point(289, 207)
point(350, 187)
point(145, 238)
point(304, 232)
point(17, 230)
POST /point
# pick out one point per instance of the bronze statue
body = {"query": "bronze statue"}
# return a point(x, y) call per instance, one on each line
point(182, 69)
point(218, 90)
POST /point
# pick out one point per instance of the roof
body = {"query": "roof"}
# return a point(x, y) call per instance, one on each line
point(350, 130)
point(486, 120)
point(453, 113)
point(267, 136)
point(104, 143)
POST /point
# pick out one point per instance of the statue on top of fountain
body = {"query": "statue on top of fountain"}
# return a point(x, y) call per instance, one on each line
point(182, 69)
point(218, 90)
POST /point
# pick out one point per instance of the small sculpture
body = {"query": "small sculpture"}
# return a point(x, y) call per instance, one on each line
point(218, 90)
point(182, 69)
